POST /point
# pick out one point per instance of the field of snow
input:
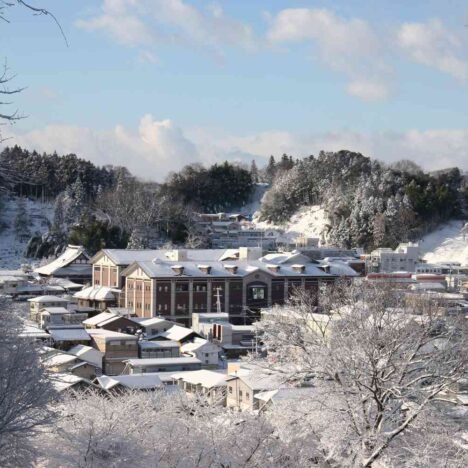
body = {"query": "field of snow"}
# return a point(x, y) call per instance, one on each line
point(446, 244)
point(309, 221)
point(11, 248)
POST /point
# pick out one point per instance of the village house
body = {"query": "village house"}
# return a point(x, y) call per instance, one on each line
point(42, 302)
point(116, 347)
point(244, 384)
point(65, 337)
point(132, 382)
point(152, 326)
point(235, 340)
point(62, 362)
point(202, 323)
point(12, 280)
point(112, 322)
point(175, 333)
point(73, 264)
point(59, 316)
point(204, 350)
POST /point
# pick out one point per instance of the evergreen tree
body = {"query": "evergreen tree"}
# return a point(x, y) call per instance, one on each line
point(254, 171)
point(21, 221)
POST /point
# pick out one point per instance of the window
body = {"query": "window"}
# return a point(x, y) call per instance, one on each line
point(257, 293)
point(230, 389)
point(240, 395)
point(182, 287)
point(247, 395)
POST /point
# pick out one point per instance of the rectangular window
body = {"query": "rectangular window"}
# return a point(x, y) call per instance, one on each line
point(230, 389)
point(257, 293)
point(247, 395)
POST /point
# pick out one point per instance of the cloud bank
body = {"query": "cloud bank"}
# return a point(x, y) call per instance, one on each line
point(158, 147)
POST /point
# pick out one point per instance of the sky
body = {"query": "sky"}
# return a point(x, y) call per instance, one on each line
point(158, 84)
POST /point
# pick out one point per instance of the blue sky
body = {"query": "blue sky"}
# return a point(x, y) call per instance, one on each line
point(156, 84)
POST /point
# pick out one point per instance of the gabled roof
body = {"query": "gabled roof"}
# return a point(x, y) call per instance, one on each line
point(103, 316)
point(56, 310)
point(197, 344)
point(176, 333)
point(162, 361)
point(88, 354)
point(69, 334)
point(62, 382)
point(72, 253)
point(97, 293)
point(133, 381)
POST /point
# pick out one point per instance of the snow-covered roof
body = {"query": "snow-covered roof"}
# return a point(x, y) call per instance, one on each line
point(205, 378)
point(339, 268)
point(65, 283)
point(72, 253)
point(286, 394)
point(33, 331)
point(162, 361)
point(110, 335)
point(69, 334)
point(133, 381)
point(63, 382)
point(148, 322)
point(427, 285)
point(56, 310)
point(97, 293)
point(88, 354)
point(97, 319)
point(42, 299)
point(176, 333)
point(145, 344)
point(194, 346)
point(125, 257)
point(257, 379)
point(59, 359)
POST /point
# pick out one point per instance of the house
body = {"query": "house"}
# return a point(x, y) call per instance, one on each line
point(243, 385)
point(62, 362)
point(158, 349)
point(142, 366)
point(174, 289)
point(42, 302)
point(73, 264)
point(206, 383)
point(404, 258)
point(112, 322)
point(98, 297)
point(58, 316)
point(12, 280)
point(204, 350)
point(116, 347)
point(119, 383)
point(64, 383)
point(68, 336)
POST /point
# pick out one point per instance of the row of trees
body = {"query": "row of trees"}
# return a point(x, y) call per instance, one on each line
point(369, 203)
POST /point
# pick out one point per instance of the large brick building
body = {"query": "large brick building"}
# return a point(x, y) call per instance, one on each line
point(174, 284)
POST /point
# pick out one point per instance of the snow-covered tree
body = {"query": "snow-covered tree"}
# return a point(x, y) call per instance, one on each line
point(382, 369)
point(21, 222)
point(25, 392)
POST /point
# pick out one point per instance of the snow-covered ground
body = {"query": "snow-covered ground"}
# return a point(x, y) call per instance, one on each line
point(255, 201)
point(11, 248)
point(309, 221)
point(446, 244)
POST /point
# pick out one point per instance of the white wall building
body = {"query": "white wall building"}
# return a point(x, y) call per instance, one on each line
point(404, 258)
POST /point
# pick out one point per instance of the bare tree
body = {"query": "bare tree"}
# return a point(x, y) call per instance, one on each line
point(382, 368)
point(24, 392)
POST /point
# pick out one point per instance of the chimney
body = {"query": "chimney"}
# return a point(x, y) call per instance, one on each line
point(250, 253)
point(177, 255)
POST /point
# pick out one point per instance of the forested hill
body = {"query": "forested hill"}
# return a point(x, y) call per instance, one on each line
point(107, 206)
point(369, 203)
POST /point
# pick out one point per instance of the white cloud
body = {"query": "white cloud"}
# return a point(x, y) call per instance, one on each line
point(149, 22)
point(433, 45)
point(350, 46)
point(160, 146)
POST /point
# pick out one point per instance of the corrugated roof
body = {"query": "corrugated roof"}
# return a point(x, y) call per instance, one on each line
point(162, 361)
point(97, 293)
point(176, 333)
point(133, 381)
point(88, 354)
point(41, 299)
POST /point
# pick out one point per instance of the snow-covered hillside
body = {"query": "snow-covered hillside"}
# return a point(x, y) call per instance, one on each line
point(446, 244)
point(309, 221)
point(11, 248)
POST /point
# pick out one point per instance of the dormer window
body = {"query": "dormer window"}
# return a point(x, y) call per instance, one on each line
point(178, 269)
point(205, 269)
point(298, 268)
point(231, 268)
point(274, 268)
